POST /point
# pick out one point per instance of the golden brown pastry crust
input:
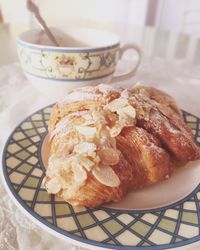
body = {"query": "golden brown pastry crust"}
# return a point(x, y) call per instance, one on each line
point(165, 123)
point(150, 150)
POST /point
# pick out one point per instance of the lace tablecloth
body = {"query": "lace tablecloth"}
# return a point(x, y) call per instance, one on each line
point(18, 99)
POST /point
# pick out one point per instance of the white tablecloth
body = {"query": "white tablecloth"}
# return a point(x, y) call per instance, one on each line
point(18, 99)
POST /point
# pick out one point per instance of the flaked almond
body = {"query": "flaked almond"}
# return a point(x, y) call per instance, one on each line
point(128, 110)
point(92, 154)
point(86, 163)
point(86, 131)
point(88, 120)
point(108, 156)
point(125, 93)
point(87, 116)
point(104, 135)
point(106, 176)
point(98, 116)
point(54, 164)
point(53, 186)
point(116, 130)
point(98, 131)
point(111, 119)
point(80, 174)
point(117, 104)
point(126, 121)
point(84, 147)
point(65, 149)
point(87, 123)
point(96, 160)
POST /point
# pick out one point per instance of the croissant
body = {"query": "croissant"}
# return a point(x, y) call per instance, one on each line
point(106, 142)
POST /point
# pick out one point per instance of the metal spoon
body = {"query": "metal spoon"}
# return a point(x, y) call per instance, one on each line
point(32, 7)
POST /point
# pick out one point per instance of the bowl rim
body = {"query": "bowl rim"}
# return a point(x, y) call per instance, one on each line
point(112, 45)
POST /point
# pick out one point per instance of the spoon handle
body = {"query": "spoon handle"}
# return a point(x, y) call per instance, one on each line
point(46, 29)
point(34, 9)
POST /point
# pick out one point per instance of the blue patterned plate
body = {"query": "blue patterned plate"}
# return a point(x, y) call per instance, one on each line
point(170, 226)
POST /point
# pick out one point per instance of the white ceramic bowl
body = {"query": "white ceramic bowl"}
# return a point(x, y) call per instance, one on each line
point(84, 57)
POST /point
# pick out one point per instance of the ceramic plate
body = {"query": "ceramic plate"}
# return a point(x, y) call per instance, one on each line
point(163, 216)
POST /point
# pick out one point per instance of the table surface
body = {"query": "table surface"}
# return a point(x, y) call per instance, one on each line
point(18, 99)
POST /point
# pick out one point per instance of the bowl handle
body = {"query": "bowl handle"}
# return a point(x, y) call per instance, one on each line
point(131, 73)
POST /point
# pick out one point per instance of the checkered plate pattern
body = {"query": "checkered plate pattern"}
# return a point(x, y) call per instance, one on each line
point(171, 226)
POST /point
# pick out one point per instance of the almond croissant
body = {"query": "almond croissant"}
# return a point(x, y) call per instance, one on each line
point(105, 142)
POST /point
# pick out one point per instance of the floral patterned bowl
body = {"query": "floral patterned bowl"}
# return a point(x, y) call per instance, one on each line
point(84, 57)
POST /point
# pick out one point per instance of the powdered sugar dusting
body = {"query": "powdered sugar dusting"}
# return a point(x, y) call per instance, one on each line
point(106, 89)
point(64, 129)
point(62, 125)
point(89, 93)
point(78, 113)
point(171, 129)
point(81, 96)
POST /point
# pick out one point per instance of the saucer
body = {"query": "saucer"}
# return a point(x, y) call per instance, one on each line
point(165, 215)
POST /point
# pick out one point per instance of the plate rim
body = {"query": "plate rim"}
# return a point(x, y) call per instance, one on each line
point(77, 240)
